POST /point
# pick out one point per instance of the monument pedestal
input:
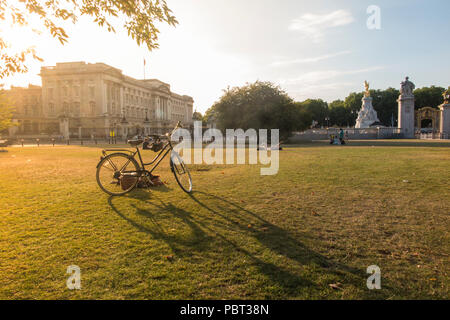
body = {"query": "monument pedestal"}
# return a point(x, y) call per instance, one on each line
point(444, 127)
point(406, 115)
point(367, 115)
point(406, 109)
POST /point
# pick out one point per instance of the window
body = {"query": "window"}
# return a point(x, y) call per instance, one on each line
point(51, 108)
point(76, 108)
point(92, 92)
point(92, 108)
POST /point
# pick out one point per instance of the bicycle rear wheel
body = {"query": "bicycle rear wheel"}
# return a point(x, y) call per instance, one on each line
point(181, 172)
point(117, 174)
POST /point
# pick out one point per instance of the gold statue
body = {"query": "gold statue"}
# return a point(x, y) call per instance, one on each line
point(366, 85)
point(446, 95)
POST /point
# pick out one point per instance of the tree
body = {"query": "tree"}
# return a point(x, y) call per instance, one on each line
point(317, 108)
point(305, 118)
point(6, 111)
point(386, 105)
point(139, 19)
point(339, 114)
point(353, 104)
point(428, 97)
point(260, 105)
point(197, 116)
point(210, 115)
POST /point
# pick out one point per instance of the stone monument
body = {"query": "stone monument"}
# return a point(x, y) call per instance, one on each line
point(367, 115)
point(445, 115)
point(406, 108)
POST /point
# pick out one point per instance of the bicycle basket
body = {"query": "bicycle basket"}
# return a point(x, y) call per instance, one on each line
point(157, 146)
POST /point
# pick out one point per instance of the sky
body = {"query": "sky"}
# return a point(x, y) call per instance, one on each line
point(311, 49)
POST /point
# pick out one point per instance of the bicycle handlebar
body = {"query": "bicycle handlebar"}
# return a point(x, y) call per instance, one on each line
point(178, 125)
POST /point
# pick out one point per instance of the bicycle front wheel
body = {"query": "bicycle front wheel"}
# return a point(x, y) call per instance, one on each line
point(181, 172)
point(117, 174)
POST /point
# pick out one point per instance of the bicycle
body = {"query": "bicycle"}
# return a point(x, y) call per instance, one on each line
point(119, 173)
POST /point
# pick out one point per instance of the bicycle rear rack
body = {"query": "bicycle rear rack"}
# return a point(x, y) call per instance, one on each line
point(105, 151)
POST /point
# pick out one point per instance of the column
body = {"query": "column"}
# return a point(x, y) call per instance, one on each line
point(406, 115)
point(105, 96)
point(444, 127)
point(121, 100)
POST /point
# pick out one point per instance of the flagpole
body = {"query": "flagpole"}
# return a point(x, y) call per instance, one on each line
point(144, 68)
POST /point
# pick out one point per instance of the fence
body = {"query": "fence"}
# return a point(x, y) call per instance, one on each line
point(62, 141)
point(433, 135)
point(351, 133)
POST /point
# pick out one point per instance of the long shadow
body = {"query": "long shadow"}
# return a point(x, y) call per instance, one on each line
point(175, 242)
point(201, 242)
point(243, 221)
point(272, 236)
point(282, 242)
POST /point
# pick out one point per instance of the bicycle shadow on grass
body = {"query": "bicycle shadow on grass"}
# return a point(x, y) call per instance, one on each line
point(156, 229)
point(146, 193)
point(270, 235)
point(223, 223)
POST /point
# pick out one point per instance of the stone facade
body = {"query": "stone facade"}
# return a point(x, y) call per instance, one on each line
point(406, 109)
point(79, 99)
point(406, 116)
point(445, 120)
point(28, 115)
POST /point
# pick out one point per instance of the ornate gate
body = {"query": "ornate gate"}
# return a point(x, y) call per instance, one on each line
point(428, 113)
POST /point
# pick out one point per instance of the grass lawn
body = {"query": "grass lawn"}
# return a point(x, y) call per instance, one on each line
point(329, 214)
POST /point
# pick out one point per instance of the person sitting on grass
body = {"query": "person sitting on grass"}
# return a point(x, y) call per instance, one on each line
point(341, 136)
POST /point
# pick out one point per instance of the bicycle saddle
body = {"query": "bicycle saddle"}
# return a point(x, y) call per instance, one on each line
point(135, 143)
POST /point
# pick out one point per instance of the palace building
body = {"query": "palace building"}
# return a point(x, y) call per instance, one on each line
point(83, 100)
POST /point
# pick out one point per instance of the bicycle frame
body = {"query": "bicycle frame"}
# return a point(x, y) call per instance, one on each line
point(155, 162)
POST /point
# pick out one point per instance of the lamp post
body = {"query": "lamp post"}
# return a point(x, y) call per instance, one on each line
point(146, 124)
point(353, 112)
point(327, 119)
